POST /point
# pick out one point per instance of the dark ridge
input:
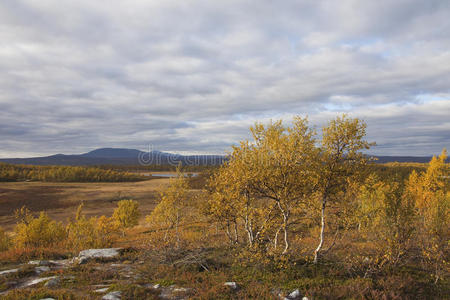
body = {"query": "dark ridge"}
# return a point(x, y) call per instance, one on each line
point(119, 156)
point(123, 156)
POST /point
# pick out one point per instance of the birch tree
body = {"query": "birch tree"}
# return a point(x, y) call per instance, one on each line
point(340, 161)
point(430, 191)
point(171, 210)
point(266, 179)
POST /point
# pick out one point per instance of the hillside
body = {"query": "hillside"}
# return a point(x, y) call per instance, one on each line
point(123, 156)
point(118, 156)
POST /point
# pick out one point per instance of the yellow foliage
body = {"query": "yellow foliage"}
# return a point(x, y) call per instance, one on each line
point(171, 211)
point(126, 214)
point(387, 217)
point(5, 241)
point(94, 232)
point(430, 192)
point(36, 232)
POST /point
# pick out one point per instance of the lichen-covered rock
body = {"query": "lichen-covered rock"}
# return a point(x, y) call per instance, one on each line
point(36, 281)
point(295, 295)
point(232, 285)
point(41, 269)
point(54, 282)
point(116, 295)
point(6, 272)
point(174, 293)
point(39, 262)
point(90, 254)
point(102, 290)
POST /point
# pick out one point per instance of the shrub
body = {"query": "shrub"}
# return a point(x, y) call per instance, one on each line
point(90, 233)
point(126, 214)
point(20, 255)
point(171, 211)
point(430, 191)
point(389, 218)
point(5, 241)
point(36, 232)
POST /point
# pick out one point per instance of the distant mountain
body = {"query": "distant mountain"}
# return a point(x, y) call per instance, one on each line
point(113, 153)
point(122, 156)
point(416, 159)
point(119, 156)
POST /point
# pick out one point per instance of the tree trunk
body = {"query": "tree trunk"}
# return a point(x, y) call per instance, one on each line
point(229, 233)
point(236, 234)
point(247, 223)
point(177, 233)
point(322, 229)
point(275, 240)
point(166, 234)
point(286, 240)
point(285, 214)
point(249, 230)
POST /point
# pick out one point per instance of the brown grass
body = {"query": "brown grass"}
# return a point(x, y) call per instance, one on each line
point(60, 200)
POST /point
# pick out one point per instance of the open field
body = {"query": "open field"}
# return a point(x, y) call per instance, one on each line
point(60, 200)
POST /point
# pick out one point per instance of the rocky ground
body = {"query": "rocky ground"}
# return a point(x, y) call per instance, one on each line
point(109, 274)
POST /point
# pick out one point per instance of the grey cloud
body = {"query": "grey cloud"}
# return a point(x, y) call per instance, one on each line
point(192, 76)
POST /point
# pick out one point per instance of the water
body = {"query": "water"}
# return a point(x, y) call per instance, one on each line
point(171, 175)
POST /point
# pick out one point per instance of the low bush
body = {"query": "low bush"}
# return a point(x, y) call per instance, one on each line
point(42, 293)
point(5, 240)
point(36, 232)
point(126, 214)
point(83, 233)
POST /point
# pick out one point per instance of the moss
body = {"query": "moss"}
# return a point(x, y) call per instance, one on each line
point(133, 291)
point(41, 293)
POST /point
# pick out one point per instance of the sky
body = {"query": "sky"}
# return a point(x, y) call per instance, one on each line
point(193, 76)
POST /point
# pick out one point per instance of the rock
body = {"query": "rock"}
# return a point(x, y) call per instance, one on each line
point(116, 295)
point(41, 269)
point(79, 260)
point(64, 263)
point(174, 293)
point(37, 280)
point(232, 285)
point(89, 254)
point(295, 295)
point(152, 286)
point(54, 282)
point(39, 262)
point(116, 265)
point(180, 290)
point(6, 272)
point(101, 291)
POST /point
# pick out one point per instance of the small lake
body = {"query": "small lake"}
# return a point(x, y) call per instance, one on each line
point(171, 175)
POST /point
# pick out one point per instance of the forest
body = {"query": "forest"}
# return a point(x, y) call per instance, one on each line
point(10, 172)
point(291, 208)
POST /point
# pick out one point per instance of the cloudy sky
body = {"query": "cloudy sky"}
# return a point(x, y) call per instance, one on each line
point(192, 76)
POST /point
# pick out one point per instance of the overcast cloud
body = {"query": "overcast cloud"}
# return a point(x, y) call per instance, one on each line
point(192, 76)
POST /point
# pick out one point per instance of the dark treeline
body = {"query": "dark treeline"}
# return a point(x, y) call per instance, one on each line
point(395, 171)
point(384, 170)
point(10, 172)
point(114, 173)
point(158, 168)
